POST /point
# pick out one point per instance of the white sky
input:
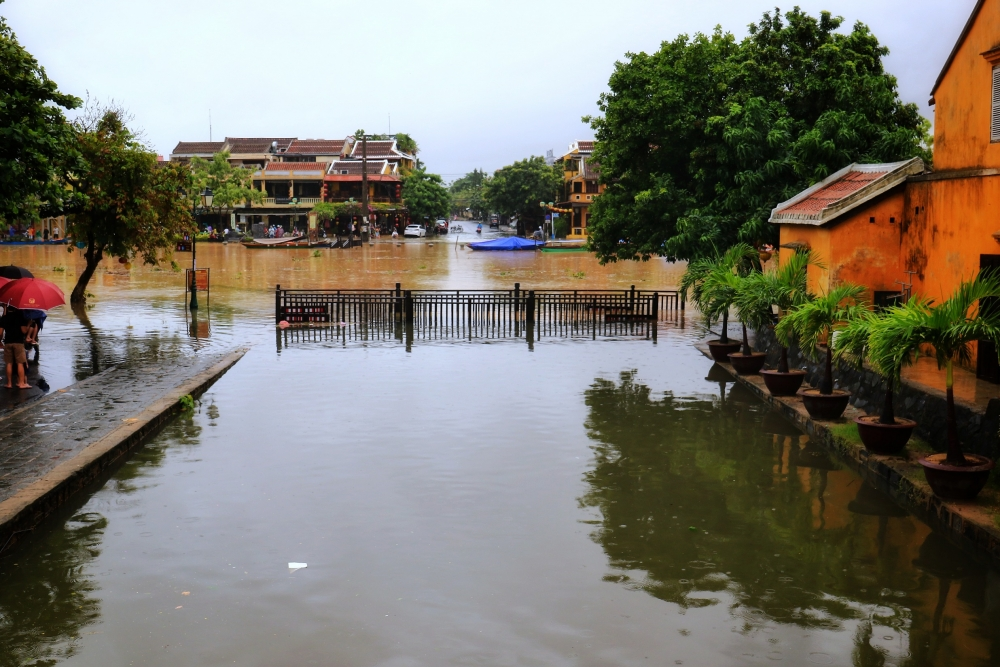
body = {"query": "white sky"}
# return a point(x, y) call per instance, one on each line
point(478, 84)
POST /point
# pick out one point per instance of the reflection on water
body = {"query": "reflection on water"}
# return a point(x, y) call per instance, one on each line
point(700, 497)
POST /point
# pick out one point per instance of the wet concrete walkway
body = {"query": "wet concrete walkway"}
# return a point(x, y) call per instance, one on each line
point(51, 447)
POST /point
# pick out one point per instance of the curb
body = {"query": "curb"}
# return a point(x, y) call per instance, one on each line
point(969, 524)
point(24, 510)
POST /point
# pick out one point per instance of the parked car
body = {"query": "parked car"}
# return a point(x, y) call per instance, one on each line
point(414, 230)
point(441, 226)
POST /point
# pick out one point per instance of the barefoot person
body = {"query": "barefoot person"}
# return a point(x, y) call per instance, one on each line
point(12, 330)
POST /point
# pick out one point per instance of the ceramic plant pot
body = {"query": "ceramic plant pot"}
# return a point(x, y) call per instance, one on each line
point(826, 407)
point(884, 438)
point(721, 351)
point(783, 384)
point(747, 364)
point(957, 482)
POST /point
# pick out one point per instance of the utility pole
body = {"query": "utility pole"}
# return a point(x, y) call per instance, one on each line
point(364, 178)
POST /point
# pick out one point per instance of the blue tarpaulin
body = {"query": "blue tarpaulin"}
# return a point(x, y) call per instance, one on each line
point(507, 243)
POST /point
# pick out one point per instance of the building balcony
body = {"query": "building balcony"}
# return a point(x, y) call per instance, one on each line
point(286, 201)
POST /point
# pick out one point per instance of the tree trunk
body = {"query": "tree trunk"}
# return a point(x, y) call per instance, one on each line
point(724, 336)
point(783, 362)
point(955, 456)
point(826, 384)
point(747, 351)
point(888, 414)
point(93, 256)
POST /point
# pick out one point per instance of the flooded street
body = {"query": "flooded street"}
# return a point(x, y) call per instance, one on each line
point(607, 502)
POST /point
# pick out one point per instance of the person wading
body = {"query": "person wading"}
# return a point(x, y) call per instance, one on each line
point(12, 330)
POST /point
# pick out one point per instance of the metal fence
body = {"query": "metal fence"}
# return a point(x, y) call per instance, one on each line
point(457, 314)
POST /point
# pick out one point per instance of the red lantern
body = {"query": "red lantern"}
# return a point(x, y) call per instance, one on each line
point(122, 260)
point(399, 190)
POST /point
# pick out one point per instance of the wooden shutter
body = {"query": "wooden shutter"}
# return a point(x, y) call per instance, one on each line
point(995, 108)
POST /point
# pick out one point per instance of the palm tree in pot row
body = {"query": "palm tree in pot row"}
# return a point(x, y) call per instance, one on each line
point(770, 296)
point(812, 325)
point(714, 304)
point(723, 290)
point(870, 337)
point(950, 327)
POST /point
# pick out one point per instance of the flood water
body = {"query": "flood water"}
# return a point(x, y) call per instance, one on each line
point(581, 502)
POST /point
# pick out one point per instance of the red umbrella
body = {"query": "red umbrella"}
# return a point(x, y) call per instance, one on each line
point(33, 293)
point(4, 281)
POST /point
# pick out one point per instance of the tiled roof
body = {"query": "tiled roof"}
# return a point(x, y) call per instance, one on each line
point(197, 147)
point(843, 191)
point(354, 167)
point(378, 150)
point(585, 146)
point(303, 168)
point(591, 170)
point(316, 146)
point(244, 145)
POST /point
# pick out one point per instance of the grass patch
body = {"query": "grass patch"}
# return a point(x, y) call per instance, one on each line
point(848, 432)
point(579, 275)
point(317, 253)
point(59, 269)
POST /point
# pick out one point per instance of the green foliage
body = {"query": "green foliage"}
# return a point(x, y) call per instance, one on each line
point(520, 188)
point(561, 227)
point(468, 193)
point(812, 323)
point(130, 206)
point(231, 186)
point(36, 143)
point(425, 196)
point(406, 143)
point(700, 140)
point(187, 403)
point(713, 281)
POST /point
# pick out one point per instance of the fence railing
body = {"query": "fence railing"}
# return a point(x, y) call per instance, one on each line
point(449, 314)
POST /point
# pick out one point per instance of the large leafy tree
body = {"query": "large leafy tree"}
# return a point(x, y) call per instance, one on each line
point(468, 192)
point(519, 189)
point(700, 140)
point(425, 196)
point(131, 205)
point(36, 142)
point(231, 186)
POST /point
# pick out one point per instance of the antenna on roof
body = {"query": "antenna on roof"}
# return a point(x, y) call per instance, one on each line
point(390, 124)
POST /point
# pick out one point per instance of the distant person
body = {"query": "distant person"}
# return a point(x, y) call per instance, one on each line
point(55, 232)
point(45, 234)
point(13, 328)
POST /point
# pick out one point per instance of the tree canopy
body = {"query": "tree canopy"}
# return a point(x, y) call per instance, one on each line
point(231, 186)
point(130, 205)
point(700, 140)
point(36, 142)
point(518, 190)
point(468, 192)
point(425, 196)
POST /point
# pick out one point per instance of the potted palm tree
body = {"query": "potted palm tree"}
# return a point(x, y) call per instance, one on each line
point(715, 305)
point(726, 287)
point(876, 338)
point(951, 327)
point(813, 325)
point(779, 290)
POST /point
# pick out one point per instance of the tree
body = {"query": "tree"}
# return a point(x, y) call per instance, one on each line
point(467, 193)
point(425, 196)
point(406, 143)
point(36, 142)
point(130, 206)
point(706, 279)
point(231, 186)
point(700, 140)
point(520, 188)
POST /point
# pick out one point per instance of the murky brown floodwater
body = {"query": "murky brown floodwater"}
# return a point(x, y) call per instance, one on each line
point(581, 503)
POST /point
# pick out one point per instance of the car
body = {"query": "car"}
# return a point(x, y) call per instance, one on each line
point(414, 230)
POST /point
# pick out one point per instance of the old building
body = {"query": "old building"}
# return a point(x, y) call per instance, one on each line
point(581, 184)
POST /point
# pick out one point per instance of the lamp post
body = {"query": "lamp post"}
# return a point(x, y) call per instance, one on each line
point(206, 200)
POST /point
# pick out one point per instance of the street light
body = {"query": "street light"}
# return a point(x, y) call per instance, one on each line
point(206, 201)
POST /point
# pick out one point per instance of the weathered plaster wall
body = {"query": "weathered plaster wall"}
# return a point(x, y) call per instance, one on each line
point(963, 100)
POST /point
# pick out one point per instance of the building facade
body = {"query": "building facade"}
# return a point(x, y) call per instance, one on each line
point(581, 184)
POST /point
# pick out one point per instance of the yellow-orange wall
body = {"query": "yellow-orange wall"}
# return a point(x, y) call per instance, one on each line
point(854, 249)
point(963, 99)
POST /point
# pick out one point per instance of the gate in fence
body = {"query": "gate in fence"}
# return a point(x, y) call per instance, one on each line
point(457, 314)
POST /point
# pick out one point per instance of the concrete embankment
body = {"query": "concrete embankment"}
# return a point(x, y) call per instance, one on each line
point(52, 448)
point(972, 525)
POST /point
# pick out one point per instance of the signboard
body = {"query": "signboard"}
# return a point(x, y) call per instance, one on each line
point(183, 246)
point(200, 279)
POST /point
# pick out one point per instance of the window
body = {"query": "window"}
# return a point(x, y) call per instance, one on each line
point(995, 109)
point(578, 187)
point(592, 187)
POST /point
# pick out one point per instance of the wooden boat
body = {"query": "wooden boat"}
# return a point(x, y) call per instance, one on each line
point(285, 243)
point(565, 246)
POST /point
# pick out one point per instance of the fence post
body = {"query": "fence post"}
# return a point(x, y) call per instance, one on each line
point(656, 306)
point(399, 304)
point(277, 304)
point(631, 300)
point(682, 300)
point(517, 301)
point(530, 309)
point(408, 307)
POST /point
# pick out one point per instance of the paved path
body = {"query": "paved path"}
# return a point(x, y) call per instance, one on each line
point(73, 431)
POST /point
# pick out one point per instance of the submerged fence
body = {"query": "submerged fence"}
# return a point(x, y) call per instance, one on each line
point(443, 314)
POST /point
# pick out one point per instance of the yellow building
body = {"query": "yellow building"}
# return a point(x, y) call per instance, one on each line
point(581, 184)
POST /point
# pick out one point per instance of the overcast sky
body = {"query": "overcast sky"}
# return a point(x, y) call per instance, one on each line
point(478, 84)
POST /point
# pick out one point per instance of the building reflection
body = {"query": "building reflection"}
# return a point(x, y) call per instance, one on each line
point(698, 495)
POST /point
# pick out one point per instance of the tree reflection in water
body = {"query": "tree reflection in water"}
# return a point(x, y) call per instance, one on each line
point(49, 594)
point(704, 501)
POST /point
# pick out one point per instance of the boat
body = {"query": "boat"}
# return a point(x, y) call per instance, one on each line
point(507, 243)
point(565, 246)
point(286, 242)
point(51, 242)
